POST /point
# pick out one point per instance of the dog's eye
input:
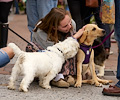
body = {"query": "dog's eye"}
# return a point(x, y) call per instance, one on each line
point(94, 29)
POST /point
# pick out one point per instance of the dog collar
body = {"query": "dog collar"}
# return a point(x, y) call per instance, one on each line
point(60, 50)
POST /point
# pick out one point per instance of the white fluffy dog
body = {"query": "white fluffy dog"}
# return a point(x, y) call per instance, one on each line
point(45, 65)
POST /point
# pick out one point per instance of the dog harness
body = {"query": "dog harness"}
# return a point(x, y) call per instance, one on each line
point(87, 50)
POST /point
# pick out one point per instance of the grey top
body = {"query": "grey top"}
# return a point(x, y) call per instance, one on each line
point(40, 37)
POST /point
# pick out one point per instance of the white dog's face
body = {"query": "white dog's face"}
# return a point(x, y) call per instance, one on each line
point(68, 51)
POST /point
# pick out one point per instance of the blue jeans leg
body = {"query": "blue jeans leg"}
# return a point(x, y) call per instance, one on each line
point(4, 58)
point(117, 35)
point(17, 7)
point(117, 22)
point(37, 9)
point(55, 3)
point(118, 71)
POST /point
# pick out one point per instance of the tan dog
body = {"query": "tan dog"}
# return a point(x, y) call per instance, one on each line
point(91, 32)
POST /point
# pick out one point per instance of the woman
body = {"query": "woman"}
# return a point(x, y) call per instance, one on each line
point(54, 27)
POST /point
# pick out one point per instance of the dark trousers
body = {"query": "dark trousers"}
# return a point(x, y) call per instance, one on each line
point(4, 11)
point(106, 27)
point(78, 12)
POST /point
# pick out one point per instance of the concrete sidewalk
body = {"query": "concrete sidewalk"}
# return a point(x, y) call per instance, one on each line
point(87, 92)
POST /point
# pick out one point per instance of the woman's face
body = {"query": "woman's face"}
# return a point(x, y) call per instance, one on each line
point(65, 25)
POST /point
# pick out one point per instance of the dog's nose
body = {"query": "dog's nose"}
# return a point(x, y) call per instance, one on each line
point(103, 31)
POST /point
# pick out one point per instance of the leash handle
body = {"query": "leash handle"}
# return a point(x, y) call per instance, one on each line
point(104, 39)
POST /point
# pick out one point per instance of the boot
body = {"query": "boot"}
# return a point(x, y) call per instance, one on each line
point(3, 34)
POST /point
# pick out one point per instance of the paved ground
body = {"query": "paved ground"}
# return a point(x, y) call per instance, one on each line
point(87, 92)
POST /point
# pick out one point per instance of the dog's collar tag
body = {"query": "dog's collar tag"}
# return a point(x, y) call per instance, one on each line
point(88, 52)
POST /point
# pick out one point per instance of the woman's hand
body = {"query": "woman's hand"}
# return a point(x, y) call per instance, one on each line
point(79, 33)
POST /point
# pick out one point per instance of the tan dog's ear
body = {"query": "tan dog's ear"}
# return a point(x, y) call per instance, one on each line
point(83, 37)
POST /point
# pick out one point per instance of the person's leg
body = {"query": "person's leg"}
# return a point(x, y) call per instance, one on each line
point(115, 90)
point(118, 71)
point(117, 33)
point(44, 7)
point(3, 34)
point(5, 55)
point(37, 9)
point(4, 13)
point(32, 14)
point(106, 27)
point(107, 43)
point(78, 12)
point(16, 6)
point(4, 21)
point(55, 2)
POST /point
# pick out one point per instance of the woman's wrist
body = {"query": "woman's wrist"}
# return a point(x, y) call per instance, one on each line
point(77, 35)
point(74, 37)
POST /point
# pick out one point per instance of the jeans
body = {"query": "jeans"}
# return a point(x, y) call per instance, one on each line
point(117, 36)
point(16, 6)
point(4, 59)
point(37, 9)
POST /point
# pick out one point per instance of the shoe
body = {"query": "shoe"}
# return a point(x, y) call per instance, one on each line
point(60, 83)
point(111, 91)
point(71, 80)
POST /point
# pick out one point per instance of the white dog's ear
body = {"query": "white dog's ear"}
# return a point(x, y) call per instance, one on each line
point(82, 39)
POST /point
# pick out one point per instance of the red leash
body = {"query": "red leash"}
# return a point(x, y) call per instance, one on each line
point(104, 39)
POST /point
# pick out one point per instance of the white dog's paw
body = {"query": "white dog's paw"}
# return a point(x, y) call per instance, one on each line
point(11, 87)
point(21, 89)
point(46, 87)
point(100, 75)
